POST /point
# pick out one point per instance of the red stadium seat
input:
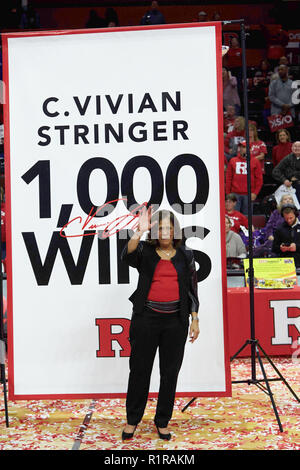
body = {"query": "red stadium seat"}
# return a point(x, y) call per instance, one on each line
point(258, 221)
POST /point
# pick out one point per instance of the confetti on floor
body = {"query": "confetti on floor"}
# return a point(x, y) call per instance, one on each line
point(244, 421)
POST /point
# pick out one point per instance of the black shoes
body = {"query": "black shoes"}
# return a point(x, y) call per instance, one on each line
point(128, 435)
point(166, 437)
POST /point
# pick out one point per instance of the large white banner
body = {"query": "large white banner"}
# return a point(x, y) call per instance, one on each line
point(97, 123)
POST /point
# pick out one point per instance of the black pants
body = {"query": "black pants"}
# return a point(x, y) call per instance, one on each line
point(148, 332)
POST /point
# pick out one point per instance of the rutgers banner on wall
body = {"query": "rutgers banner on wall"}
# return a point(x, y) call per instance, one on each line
point(99, 122)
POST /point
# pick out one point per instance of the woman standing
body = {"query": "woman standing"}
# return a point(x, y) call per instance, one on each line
point(234, 61)
point(234, 137)
point(258, 148)
point(165, 297)
point(283, 147)
point(230, 91)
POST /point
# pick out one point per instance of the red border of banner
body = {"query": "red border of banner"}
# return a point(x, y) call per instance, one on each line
point(5, 37)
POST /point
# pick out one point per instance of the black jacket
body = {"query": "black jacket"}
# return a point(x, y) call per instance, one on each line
point(288, 167)
point(145, 260)
point(287, 234)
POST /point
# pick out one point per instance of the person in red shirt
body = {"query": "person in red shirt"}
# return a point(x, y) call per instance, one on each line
point(236, 178)
point(277, 40)
point(234, 55)
point(229, 118)
point(258, 148)
point(234, 61)
point(283, 147)
point(233, 138)
point(237, 219)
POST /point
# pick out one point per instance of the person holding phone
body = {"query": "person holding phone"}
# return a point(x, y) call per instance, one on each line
point(286, 241)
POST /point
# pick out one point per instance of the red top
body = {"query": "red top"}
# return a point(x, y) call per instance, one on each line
point(256, 148)
point(164, 287)
point(236, 176)
point(237, 219)
point(229, 124)
point(234, 57)
point(280, 151)
point(237, 137)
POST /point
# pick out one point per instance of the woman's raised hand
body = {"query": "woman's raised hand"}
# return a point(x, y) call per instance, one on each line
point(144, 219)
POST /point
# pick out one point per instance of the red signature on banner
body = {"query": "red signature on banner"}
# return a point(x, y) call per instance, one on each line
point(109, 226)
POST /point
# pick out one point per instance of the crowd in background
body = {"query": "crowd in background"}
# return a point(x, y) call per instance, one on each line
point(274, 156)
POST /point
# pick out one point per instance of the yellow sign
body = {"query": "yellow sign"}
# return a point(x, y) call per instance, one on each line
point(272, 273)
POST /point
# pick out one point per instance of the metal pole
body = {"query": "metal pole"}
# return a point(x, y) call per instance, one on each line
point(251, 270)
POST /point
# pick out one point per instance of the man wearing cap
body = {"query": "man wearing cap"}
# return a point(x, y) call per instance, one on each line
point(287, 236)
point(236, 178)
point(287, 171)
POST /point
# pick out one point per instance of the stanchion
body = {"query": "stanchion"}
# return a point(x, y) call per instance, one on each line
point(253, 342)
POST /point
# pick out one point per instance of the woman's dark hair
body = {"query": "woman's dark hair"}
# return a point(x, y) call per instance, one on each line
point(288, 208)
point(231, 197)
point(266, 62)
point(154, 232)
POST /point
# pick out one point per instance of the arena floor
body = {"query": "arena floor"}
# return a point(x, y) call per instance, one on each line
point(245, 421)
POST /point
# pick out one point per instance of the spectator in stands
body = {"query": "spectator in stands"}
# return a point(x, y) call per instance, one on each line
point(111, 17)
point(202, 16)
point(237, 219)
point(287, 171)
point(280, 93)
point(153, 15)
point(216, 16)
point(234, 55)
point(30, 18)
point(265, 70)
point(236, 178)
point(95, 21)
point(262, 76)
point(229, 118)
point(282, 61)
point(258, 148)
point(275, 220)
point(283, 147)
point(277, 39)
point(230, 91)
point(235, 247)
point(287, 236)
point(260, 89)
point(234, 137)
point(234, 61)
